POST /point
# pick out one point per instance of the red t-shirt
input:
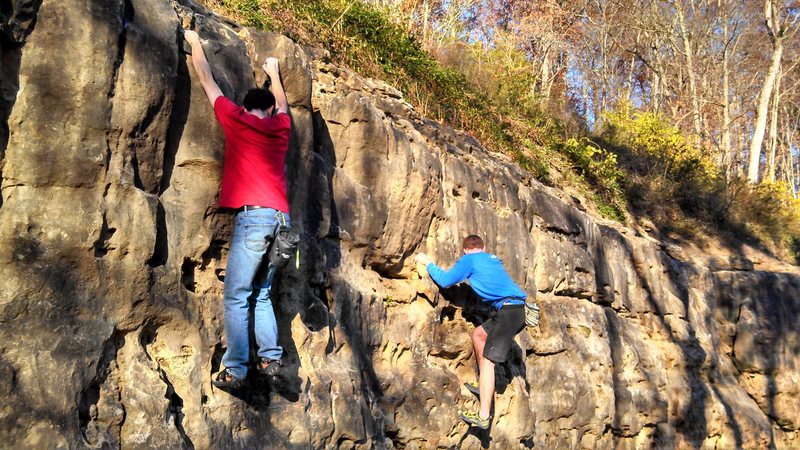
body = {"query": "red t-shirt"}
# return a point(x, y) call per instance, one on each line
point(255, 153)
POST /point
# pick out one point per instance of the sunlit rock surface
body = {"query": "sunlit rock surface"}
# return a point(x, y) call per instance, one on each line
point(112, 256)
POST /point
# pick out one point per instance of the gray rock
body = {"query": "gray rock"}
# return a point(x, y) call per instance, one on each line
point(113, 254)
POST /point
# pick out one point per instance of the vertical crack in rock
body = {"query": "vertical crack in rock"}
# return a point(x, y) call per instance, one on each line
point(161, 250)
point(174, 411)
point(621, 395)
point(101, 245)
point(177, 120)
point(733, 339)
point(373, 423)
point(151, 118)
point(90, 416)
point(137, 179)
point(331, 404)
point(126, 15)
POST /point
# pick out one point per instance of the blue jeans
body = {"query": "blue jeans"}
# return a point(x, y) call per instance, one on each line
point(249, 274)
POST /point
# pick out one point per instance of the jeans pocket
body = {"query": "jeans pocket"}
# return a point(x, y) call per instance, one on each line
point(257, 237)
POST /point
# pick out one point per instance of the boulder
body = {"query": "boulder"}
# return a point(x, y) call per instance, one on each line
point(113, 256)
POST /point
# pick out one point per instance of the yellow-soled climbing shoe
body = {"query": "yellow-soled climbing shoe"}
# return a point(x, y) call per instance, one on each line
point(474, 419)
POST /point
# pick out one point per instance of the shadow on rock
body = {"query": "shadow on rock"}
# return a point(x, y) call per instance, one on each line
point(258, 391)
point(484, 436)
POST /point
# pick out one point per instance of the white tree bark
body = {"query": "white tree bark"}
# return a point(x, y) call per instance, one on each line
point(771, 15)
point(546, 78)
point(726, 102)
point(773, 129)
point(786, 155)
point(629, 92)
point(688, 52)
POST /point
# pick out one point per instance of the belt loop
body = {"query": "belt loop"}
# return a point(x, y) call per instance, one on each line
point(279, 215)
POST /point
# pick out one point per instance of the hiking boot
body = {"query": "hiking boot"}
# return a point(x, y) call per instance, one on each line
point(473, 418)
point(473, 387)
point(226, 380)
point(269, 367)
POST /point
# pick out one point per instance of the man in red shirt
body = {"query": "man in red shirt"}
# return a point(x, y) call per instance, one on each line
point(254, 186)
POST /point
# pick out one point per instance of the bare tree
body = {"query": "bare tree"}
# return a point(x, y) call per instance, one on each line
point(688, 53)
point(780, 25)
point(711, 67)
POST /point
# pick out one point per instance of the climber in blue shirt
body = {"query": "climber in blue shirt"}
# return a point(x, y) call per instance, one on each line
point(491, 340)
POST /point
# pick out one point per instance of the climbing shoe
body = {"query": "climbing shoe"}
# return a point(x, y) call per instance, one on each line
point(226, 380)
point(269, 367)
point(474, 419)
point(473, 387)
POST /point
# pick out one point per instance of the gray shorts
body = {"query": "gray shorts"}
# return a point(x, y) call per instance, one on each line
point(501, 328)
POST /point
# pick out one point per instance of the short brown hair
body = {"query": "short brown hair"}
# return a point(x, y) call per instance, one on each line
point(472, 241)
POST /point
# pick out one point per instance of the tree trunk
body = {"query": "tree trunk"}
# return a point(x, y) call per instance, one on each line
point(742, 145)
point(546, 82)
point(604, 69)
point(689, 53)
point(585, 95)
point(786, 155)
point(655, 82)
point(726, 105)
point(629, 93)
point(795, 174)
point(773, 129)
point(655, 42)
point(766, 92)
point(596, 105)
point(426, 12)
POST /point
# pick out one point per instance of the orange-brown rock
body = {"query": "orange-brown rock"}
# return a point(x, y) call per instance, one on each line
point(112, 260)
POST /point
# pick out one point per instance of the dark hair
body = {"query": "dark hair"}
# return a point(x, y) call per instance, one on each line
point(472, 241)
point(258, 99)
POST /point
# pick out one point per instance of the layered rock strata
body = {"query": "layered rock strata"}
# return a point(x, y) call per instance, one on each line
point(112, 261)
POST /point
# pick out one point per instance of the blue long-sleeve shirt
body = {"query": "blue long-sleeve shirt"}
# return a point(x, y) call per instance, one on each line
point(486, 275)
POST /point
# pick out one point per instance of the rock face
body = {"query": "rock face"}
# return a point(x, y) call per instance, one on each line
point(112, 260)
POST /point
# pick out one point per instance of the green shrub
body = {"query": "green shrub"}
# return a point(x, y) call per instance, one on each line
point(659, 148)
point(772, 213)
point(669, 175)
point(249, 12)
point(600, 167)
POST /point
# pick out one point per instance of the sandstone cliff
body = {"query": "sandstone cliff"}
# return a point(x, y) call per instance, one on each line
point(112, 257)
